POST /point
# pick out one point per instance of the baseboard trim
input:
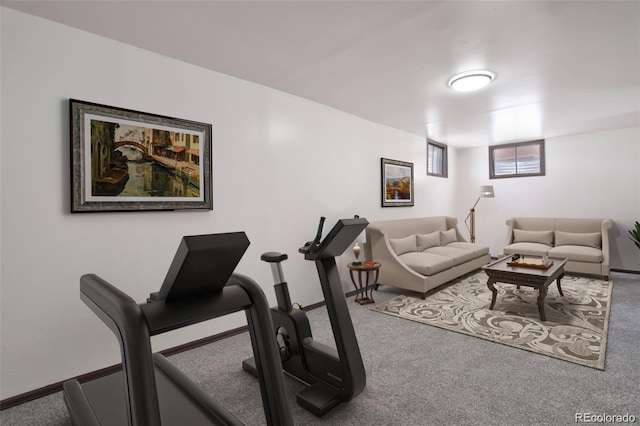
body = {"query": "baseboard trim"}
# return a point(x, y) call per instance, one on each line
point(57, 387)
point(626, 271)
point(204, 341)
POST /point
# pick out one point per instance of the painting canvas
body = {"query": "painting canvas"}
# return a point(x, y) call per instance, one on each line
point(124, 160)
point(397, 183)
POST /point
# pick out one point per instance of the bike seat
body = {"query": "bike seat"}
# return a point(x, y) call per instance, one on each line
point(274, 257)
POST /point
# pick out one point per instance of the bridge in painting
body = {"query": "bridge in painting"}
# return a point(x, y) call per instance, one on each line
point(134, 144)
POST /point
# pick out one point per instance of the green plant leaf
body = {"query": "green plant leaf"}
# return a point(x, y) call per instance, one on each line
point(635, 235)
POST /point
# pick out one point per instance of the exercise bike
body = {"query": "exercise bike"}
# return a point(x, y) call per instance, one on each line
point(332, 376)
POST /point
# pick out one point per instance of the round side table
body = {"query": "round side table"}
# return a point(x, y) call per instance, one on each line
point(364, 290)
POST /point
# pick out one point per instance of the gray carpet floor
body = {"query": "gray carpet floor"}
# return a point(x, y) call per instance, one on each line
point(423, 375)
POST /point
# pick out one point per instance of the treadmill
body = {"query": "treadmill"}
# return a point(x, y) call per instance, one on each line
point(149, 391)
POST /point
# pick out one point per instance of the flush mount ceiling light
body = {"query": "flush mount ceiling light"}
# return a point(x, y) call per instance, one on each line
point(471, 80)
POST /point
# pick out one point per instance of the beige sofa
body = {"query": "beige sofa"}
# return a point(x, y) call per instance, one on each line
point(422, 253)
point(584, 242)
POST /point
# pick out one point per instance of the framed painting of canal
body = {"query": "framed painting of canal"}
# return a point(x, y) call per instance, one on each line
point(397, 183)
point(124, 160)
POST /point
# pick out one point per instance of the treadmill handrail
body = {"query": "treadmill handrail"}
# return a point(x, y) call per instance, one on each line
point(268, 363)
point(125, 318)
point(128, 322)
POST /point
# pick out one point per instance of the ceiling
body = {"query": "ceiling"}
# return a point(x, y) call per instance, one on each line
point(563, 67)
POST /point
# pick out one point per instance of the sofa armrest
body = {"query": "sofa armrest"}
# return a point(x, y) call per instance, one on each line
point(378, 244)
point(380, 250)
point(606, 225)
point(452, 223)
point(394, 266)
point(510, 224)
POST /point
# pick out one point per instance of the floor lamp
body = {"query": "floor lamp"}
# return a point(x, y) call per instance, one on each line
point(470, 221)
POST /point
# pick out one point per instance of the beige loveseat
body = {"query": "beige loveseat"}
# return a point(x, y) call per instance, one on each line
point(584, 242)
point(422, 253)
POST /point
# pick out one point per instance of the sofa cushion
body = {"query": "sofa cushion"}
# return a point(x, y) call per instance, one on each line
point(426, 263)
point(523, 236)
point(589, 239)
point(458, 255)
point(577, 253)
point(402, 227)
point(579, 225)
point(403, 245)
point(535, 249)
point(424, 241)
point(475, 248)
point(448, 236)
point(533, 223)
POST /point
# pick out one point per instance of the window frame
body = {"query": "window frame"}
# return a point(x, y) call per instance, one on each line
point(538, 142)
point(445, 159)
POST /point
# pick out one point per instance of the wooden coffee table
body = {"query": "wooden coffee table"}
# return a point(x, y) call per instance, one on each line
point(500, 271)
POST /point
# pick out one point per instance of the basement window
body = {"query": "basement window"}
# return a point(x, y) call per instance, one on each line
point(517, 160)
point(436, 159)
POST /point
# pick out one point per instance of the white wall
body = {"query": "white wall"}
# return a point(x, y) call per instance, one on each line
point(587, 176)
point(279, 163)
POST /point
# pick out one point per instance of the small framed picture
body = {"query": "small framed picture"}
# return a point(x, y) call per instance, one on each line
point(397, 183)
point(125, 160)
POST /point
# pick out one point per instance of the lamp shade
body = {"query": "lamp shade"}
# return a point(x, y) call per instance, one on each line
point(487, 191)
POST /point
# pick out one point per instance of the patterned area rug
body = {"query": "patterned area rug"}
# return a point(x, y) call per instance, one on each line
point(575, 330)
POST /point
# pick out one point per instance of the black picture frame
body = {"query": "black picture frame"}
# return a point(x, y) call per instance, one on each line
point(397, 185)
point(126, 160)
